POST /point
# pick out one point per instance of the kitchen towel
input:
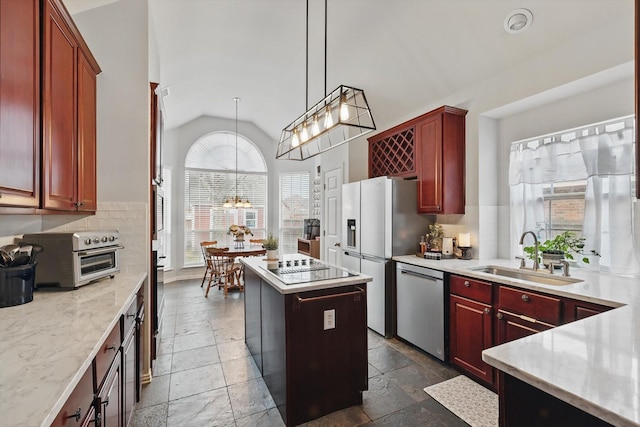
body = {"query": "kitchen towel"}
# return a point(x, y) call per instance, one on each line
point(476, 405)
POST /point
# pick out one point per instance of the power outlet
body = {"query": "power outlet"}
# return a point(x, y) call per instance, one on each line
point(329, 319)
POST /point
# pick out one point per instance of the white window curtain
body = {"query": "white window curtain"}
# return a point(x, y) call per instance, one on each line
point(603, 154)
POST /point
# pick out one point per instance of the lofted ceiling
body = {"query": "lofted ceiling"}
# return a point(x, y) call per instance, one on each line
point(405, 54)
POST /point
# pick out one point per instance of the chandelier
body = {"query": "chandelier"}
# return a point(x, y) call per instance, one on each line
point(339, 117)
point(236, 201)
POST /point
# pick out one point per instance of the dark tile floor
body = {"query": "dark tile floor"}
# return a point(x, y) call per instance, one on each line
point(204, 375)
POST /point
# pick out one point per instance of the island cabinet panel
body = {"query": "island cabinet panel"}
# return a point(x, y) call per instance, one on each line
point(324, 363)
point(252, 318)
point(523, 405)
point(310, 367)
point(19, 103)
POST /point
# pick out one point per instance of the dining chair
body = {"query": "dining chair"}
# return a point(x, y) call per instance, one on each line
point(207, 260)
point(225, 272)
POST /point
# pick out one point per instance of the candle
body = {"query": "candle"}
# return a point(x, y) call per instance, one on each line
point(464, 240)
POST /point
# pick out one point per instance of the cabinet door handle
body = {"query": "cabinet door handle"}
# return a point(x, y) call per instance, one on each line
point(487, 310)
point(499, 316)
point(525, 297)
point(76, 414)
point(466, 283)
point(129, 316)
point(79, 204)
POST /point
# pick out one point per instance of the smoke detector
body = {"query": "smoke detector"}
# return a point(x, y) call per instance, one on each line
point(517, 21)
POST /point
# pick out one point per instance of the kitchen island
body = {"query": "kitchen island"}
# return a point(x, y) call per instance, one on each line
point(47, 345)
point(588, 369)
point(307, 337)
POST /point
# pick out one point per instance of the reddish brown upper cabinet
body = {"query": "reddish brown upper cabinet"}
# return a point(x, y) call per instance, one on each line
point(68, 114)
point(431, 148)
point(440, 150)
point(19, 103)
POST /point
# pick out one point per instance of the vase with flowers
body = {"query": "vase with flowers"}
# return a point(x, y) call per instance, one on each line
point(238, 232)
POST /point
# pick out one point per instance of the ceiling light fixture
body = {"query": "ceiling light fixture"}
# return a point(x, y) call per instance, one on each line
point(346, 116)
point(518, 20)
point(236, 202)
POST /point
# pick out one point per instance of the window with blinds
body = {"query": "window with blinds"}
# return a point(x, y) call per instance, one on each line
point(294, 209)
point(216, 169)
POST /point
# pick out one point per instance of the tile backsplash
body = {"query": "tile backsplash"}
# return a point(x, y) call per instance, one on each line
point(130, 219)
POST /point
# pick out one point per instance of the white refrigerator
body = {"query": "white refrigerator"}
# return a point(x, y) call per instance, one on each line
point(379, 221)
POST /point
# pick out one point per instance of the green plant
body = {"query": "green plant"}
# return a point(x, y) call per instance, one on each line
point(270, 243)
point(567, 243)
point(435, 235)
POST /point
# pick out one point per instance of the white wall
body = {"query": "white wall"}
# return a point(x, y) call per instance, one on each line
point(603, 54)
point(177, 143)
point(117, 36)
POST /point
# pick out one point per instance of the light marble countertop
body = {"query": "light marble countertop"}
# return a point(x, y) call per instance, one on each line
point(594, 363)
point(259, 266)
point(47, 344)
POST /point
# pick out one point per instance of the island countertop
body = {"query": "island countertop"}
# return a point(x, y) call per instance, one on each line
point(259, 266)
point(46, 345)
point(593, 363)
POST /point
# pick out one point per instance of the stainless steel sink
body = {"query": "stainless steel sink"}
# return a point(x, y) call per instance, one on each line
point(529, 276)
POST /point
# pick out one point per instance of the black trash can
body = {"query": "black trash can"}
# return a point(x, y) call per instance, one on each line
point(16, 284)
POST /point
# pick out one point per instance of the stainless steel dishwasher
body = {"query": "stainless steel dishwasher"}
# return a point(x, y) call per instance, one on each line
point(420, 308)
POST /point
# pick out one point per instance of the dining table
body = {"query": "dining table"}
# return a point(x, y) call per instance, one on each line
point(245, 251)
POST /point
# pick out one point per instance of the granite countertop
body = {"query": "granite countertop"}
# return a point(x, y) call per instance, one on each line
point(46, 345)
point(594, 363)
point(259, 266)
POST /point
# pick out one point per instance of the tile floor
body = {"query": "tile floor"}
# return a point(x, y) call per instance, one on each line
point(204, 375)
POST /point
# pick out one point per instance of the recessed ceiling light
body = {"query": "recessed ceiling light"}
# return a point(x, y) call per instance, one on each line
point(518, 21)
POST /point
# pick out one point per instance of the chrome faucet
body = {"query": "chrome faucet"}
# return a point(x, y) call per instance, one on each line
point(536, 264)
point(565, 265)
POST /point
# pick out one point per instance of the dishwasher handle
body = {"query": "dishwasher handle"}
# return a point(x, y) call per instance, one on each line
point(421, 272)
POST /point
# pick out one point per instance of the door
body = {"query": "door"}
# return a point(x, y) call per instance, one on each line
point(351, 261)
point(59, 126)
point(376, 294)
point(332, 212)
point(470, 332)
point(19, 103)
point(373, 207)
point(351, 216)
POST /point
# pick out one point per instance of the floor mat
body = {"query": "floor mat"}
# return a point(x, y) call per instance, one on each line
point(476, 405)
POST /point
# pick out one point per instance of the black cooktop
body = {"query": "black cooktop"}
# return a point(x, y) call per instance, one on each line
point(291, 273)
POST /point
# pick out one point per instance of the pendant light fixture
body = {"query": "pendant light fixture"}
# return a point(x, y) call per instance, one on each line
point(236, 202)
point(344, 112)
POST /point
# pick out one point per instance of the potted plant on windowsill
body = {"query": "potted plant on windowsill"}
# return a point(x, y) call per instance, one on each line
point(270, 244)
point(564, 245)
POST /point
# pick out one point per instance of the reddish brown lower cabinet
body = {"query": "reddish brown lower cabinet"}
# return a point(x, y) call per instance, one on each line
point(523, 405)
point(471, 331)
point(110, 396)
point(78, 409)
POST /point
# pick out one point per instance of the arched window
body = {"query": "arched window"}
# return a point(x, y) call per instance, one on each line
point(213, 173)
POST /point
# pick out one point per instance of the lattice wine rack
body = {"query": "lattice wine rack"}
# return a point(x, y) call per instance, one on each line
point(393, 155)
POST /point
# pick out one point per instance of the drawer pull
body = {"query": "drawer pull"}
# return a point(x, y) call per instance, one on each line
point(528, 319)
point(129, 316)
point(76, 414)
point(111, 347)
point(486, 310)
point(499, 316)
point(525, 297)
point(466, 283)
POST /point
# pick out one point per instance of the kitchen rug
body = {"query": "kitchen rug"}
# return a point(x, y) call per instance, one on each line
point(476, 405)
